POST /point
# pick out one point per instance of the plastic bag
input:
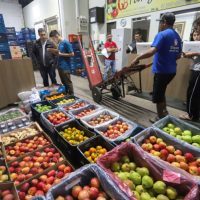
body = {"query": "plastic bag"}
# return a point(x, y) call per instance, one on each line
point(82, 176)
point(47, 124)
point(85, 119)
point(91, 106)
point(181, 124)
point(132, 126)
point(138, 139)
point(158, 171)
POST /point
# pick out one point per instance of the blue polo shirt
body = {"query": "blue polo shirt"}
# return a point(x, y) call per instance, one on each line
point(169, 46)
point(64, 62)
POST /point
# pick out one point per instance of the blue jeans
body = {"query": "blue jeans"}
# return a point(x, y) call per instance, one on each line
point(109, 65)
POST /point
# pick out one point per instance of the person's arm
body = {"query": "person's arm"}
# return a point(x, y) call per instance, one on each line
point(190, 54)
point(147, 54)
point(66, 54)
point(112, 50)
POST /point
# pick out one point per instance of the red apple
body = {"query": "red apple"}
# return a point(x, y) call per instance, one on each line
point(51, 173)
point(76, 190)
point(25, 187)
point(171, 149)
point(162, 145)
point(60, 174)
point(156, 147)
point(171, 158)
point(189, 157)
point(164, 154)
point(32, 191)
point(83, 195)
point(152, 139)
point(93, 192)
point(94, 182)
point(193, 170)
point(178, 152)
point(184, 166)
point(175, 164)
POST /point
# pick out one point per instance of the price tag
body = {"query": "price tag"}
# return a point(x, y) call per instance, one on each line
point(5, 130)
point(171, 177)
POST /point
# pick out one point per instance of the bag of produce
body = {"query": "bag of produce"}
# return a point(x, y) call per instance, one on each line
point(89, 181)
point(55, 117)
point(164, 149)
point(180, 130)
point(100, 118)
point(140, 177)
point(117, 130)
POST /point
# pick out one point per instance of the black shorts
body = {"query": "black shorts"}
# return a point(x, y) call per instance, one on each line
point(160, 85)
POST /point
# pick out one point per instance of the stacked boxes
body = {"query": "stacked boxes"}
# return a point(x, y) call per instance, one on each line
point(4, 47)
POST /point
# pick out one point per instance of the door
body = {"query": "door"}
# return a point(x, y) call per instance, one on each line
point(51, 24)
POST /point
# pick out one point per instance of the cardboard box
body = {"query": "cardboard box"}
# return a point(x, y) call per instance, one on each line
point(15, 52)
point(193, 46)
point(142, 47)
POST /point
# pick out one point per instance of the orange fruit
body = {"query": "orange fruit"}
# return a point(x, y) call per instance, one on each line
point(92, 150)
point(87, 153)
point(93, 156)
point(99, 147)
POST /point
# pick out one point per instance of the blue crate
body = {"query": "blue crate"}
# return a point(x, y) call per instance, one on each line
point(77, 52)
point(19, 35)
point(10, 30)
point(11, 36)
point(75, 45)
point(25, 30)
point(21, 41)
point(4, 47)
point(12, 43)
point(32, 30)
point(5, 55)
point(3, 38)
point(2, 28)
point(33, 36)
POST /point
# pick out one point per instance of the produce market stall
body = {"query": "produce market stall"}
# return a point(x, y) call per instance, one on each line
point(15, 76)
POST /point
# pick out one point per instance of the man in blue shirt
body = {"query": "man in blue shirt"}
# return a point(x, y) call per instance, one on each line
point(166, 49)
point(64, 53)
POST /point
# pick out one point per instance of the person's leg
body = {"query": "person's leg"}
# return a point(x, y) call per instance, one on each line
point(106, 69)
point(44, 74)
point(193, 100)
point(52, 74)
point(113, 67)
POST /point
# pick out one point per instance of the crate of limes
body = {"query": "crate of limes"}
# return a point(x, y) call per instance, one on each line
point(40, 107)
point(70, 135)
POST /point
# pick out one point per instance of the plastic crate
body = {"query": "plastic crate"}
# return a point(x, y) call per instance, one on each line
point(10, 30)
point(75, 45)
point(25, 30)
point(5, 55)
point(35, 113)
point(19, 35)
point(4, 47)
point(181, 124)
point(82, 177)
point(11, 36)
point(3, 38)
point(93, 142)
point(69, 149)
point(55, 102)
point(12, 43)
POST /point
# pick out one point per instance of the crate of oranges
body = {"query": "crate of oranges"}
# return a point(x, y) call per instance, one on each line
point(71, 135)
point(94, 148)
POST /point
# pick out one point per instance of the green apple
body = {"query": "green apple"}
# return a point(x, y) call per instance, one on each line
point(170, 126)
point(165, 129)
point(178, 131)
point(186, 132)
point(196, 145)
point(187, 139)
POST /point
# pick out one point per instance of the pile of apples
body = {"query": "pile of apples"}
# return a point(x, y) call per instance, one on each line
point(159, 148)
point(76, 106)
point(54, 97)
point(74, 136)
point(115, 130)
point(41, 185)
point(33, 164)
point(57, 118)
point(26, 146)
point(85, 112)
point(7, 194)
point(141, 183)
point(185, 135)
point(3, 174)
point(66, 101)
point(42, 108)
point(94, 153)
point(87, 192)
point(100, 119)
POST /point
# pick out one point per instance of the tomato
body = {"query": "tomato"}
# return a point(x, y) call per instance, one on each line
point(114, 13)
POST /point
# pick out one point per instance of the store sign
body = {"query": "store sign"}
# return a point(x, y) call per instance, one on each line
point(124, 8)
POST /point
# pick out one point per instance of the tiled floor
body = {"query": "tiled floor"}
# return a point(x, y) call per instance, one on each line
point(137, 109)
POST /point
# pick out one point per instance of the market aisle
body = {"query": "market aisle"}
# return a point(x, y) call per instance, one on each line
point(130, 107)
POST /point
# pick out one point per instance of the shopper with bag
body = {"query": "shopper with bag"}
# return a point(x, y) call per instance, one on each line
point(193, 91)
point(46, 61)
point(166, 49)
point(64, 52)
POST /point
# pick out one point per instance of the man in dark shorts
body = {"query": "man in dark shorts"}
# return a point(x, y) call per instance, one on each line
point(166, 49)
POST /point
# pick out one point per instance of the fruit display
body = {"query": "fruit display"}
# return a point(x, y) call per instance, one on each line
point(22, 147)
point(93, 190)
point(141, 183)
point(7, 194)
point(41, 185)
point(185, 135)
point(1, 152)
point(76, 106)
point(42, 108)
point(93, 153)
point(3, 173)
point(73, 135)
point(57, 117)
point(9, 115)
point(66, 101)
point(19, 134)
point(116, 129)
point(85, 112)
point(54, 97)
point(36, 163)
point(184, 160)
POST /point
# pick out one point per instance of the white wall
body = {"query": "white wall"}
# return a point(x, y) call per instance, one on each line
point(12, 13)
point(39, 10)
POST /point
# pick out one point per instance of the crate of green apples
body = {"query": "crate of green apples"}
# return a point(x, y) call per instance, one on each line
point(180, 130)
point(166, 149)
point(139, 176)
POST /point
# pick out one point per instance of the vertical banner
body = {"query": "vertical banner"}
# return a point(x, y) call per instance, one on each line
point(123, 8)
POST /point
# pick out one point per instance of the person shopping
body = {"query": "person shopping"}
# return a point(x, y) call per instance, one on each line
point(193, 91)
point(64, 53)
point(46, 61)
point(166, 49)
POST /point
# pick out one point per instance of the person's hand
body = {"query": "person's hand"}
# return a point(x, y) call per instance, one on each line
point(188, 55)
point(53, 51)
